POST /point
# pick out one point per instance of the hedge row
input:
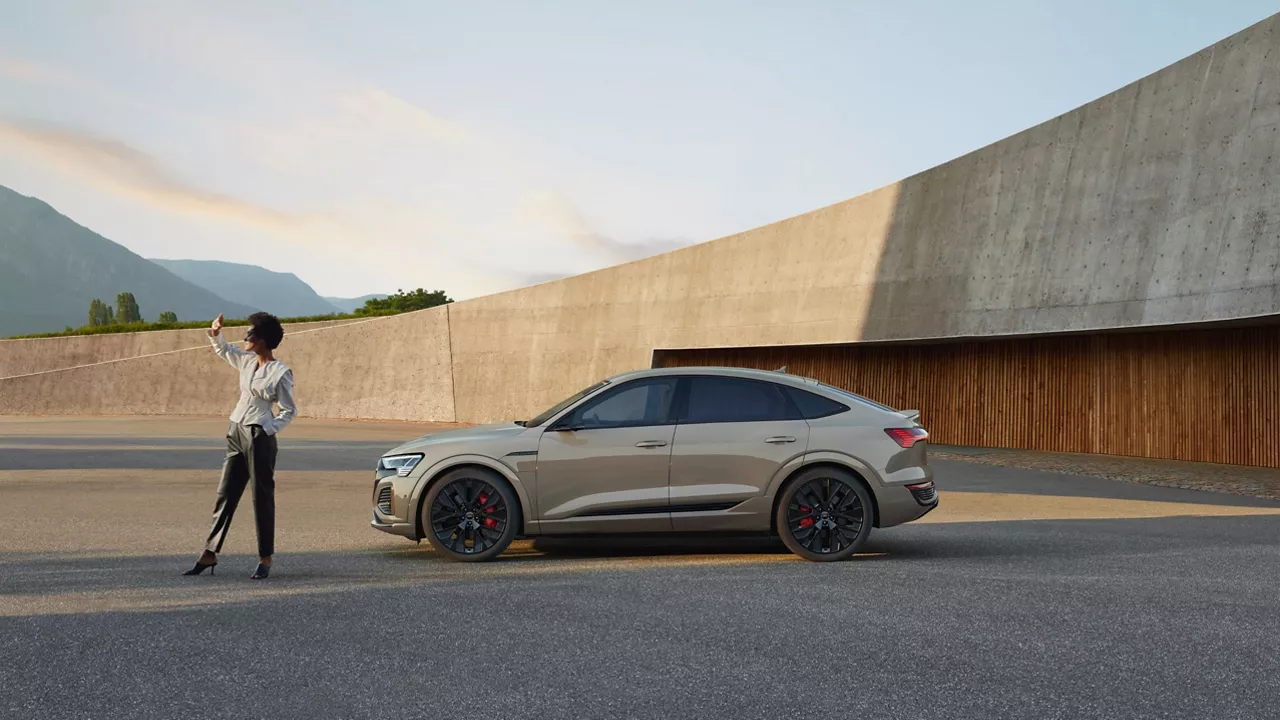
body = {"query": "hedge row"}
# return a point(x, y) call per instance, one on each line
point(151, 326)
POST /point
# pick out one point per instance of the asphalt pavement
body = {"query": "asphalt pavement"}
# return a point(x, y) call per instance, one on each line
point(1025, 595)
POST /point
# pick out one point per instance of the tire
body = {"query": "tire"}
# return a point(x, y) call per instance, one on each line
point(824, 515)
point(470, 515)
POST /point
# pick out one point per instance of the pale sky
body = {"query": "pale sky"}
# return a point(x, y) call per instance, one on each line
point(479, 146)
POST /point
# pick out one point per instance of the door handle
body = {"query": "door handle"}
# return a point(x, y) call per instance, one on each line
point(651, 443)
point(780, 439)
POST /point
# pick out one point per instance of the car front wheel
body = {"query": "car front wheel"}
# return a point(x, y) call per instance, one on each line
point(470, 515)
point(824, 515)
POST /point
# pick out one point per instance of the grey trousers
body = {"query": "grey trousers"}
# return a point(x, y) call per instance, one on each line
point(251, 458)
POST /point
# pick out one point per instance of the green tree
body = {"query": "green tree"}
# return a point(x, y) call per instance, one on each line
point(127, 310)
point(403, 301)
point(100, 313)
point(168, 316)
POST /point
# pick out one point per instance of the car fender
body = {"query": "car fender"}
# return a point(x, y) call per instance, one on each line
point(784, 471)
point(445, 464)
point(852, 462)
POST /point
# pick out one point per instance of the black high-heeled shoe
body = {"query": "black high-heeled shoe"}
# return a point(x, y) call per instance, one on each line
point(261, 573)
point(200, 567)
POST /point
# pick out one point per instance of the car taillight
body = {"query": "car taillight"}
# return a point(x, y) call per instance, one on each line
point(906, 437)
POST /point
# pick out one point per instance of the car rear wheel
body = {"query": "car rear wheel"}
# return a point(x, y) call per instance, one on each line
point(824, 514)
point(470, 515)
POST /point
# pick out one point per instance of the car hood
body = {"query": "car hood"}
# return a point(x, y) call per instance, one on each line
point(462, 435)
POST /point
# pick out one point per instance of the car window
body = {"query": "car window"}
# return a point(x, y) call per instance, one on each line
point(814, 406)
point(560, 406)
point(729, 399)
point(635, 404)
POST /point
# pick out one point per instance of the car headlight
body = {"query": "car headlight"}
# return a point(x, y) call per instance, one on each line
point(401, 465)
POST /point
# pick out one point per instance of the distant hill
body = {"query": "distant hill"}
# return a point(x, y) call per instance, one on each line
point(281, 294)
point(51, 268)
point(350, 304)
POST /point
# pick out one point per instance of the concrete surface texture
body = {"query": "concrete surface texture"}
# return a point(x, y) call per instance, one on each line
point(1153, 205)
point(396, 368)
point(1024, 595)
point(90, 428)
point(22, 357)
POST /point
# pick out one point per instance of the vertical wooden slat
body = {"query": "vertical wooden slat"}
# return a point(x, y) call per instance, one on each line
point(1202, 395)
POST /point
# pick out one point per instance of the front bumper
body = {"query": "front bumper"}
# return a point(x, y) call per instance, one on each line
point(388, 497)
point(402, 529)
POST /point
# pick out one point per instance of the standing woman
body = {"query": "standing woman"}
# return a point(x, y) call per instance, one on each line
point(251, 437)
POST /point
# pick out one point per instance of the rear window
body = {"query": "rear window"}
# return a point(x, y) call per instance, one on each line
point(858, 398)
point(729, 399)
point(813, 406)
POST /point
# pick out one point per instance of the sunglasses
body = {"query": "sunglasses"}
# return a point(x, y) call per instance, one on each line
point(249, 336)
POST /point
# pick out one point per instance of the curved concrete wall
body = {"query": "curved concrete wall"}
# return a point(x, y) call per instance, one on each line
point(395, 368)
point(21, 357)
point(1154, 205)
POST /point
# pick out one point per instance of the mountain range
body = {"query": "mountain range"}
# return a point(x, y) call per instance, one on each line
point(284, 293)
point(52, 267)
point(348, 305)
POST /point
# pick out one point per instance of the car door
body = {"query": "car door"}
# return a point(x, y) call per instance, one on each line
point(603, 467)
point(733, 436)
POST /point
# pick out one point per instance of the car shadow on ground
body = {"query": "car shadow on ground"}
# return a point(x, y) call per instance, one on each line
point(24, 575)
point(603, 546)
point(31, 580)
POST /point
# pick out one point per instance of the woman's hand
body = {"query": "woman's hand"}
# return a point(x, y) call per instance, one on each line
point(216, 327)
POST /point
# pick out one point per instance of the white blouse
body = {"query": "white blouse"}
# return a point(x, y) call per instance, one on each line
point(259, 388)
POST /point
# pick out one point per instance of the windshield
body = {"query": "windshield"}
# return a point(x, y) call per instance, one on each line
point(859, 398)
point(558, 407)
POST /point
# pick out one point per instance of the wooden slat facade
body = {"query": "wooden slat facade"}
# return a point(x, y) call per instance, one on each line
point(1202, 395)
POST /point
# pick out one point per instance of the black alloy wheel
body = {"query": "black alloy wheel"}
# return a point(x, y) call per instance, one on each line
point(471, 515)
point(825, 514)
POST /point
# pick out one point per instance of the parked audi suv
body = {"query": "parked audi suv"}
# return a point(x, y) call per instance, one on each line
point(670, 450)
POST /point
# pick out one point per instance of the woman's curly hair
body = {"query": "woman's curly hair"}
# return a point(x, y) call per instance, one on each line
point(267, 328)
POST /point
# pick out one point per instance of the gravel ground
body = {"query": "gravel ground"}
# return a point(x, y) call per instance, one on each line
point(1234, 479)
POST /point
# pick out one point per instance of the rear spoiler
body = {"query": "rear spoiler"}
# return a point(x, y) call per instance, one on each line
point(910, 414)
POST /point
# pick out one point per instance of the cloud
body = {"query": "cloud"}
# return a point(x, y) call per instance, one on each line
point(481, 208)
point(393, 112)
point(28, 71)
point(66, 83)
point(114, 166)
point(528, 279)
point(444, 191)
point(557, 213)
point(350, 232)
point(626, 251)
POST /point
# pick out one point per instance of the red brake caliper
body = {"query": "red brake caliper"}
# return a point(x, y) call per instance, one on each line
point(488, 522)
point(805, 522)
